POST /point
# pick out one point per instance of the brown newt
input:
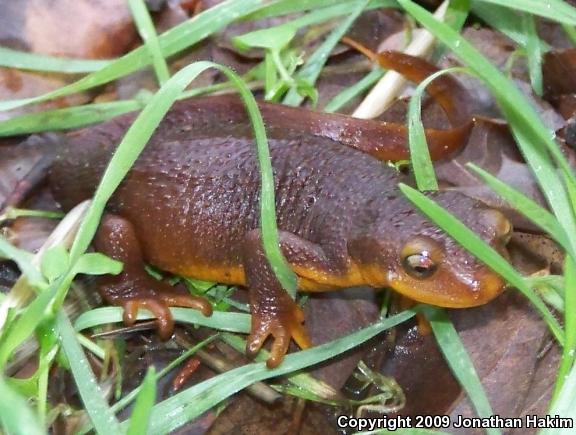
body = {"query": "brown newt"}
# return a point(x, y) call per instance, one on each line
point(189, 205)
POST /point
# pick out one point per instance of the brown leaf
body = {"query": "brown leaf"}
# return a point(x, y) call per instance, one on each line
point(335, 314)
point(419, 368)
point(16, 161)
point(491, 147)
point(558, 70)
point(246, 416)
point(503, 340)
point(497, 48)
point(537, 398)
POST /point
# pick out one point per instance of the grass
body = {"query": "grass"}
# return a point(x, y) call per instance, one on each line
point(147, 31)
point(421, 161)
point(16, 416)
point(310, 71)
point(50, 279)
point(193, 402)
point(140, 418)
point(96, 406)
point(459, 361)
point(35, 62)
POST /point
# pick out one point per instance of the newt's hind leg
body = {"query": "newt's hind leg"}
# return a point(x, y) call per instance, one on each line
point(274, 313)
point(134, 288)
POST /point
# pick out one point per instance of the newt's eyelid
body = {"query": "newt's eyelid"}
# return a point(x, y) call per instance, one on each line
point(421, 245)
point(421, 256)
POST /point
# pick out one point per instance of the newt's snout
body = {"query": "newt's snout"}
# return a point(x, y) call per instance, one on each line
point(498, 235)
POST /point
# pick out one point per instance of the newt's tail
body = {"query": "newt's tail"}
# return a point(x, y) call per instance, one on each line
point(445, 90)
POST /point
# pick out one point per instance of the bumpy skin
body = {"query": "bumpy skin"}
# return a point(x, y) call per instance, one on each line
point(190, 206)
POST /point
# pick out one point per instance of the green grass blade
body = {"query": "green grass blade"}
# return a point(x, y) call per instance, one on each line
point(473, 243)
point(96, 406)
point(16, 332)
point(569, 350)
point(533, 53)
point(221, 320)
point(293, 6)
point(457, 14)
point(14, 213)
point(301, 381)
point(347, 94)
point(555, 190)
point(312, 68)
point(459, 361)
point(419, 153)
point(81, 116)
point(148, 34)
point(140, 418)
point(555, 10)
point(22, 259)
point(121, 404)
point(528, 207)
point(129, 398)
point(37, 62)
point(505, 20)
point(67, 118)
point(565, 405)
point(55, 262)
point(16, 417)
point(327, 13)
point(570, 33)
point(191, 403)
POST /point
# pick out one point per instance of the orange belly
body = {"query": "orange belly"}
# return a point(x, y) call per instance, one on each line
point(309, 279)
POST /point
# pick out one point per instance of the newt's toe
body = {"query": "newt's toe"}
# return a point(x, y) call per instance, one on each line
point(158, 309)
point(159, 303)
point(282, 327)
point(279, 349)
point(188, 301)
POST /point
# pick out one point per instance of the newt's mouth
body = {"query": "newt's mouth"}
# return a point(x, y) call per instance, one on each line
point(449, 290)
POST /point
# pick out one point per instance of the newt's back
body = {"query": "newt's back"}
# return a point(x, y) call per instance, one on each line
point(198, 194)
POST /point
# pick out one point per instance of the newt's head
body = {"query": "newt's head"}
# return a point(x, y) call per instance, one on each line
point(407, 252)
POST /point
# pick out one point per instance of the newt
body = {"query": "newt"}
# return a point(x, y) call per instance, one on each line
point(189, 206)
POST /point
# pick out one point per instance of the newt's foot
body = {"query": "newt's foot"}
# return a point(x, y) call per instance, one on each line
point(283, 326)
point(159, 303)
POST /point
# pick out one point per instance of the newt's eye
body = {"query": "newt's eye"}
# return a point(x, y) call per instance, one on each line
point(419, 266)
point(421, 256)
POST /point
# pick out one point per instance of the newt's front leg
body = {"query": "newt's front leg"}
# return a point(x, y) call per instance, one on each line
point(274, 313)
point(134, 288)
